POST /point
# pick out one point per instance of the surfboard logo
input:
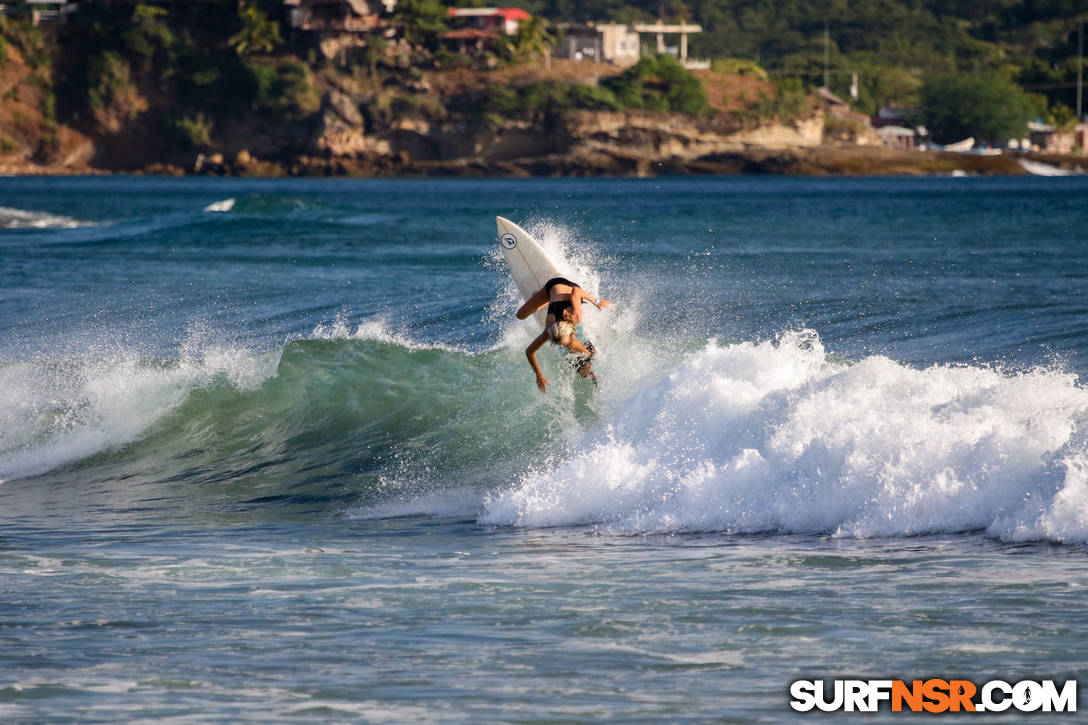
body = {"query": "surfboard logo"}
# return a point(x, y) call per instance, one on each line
point(508, 240)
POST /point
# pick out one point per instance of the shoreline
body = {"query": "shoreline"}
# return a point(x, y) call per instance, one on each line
point(825, 160)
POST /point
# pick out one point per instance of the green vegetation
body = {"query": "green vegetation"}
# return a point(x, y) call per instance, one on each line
point(423, 20)
point(987, 107)
point(148, 35)
point(1063, 119)
point(185, 67)
point(659, 84)
point(107, 73)
point(893, 45)
point(194, 132)
point(739, 66)
point(187, 72)
point(284, 88)
point(539, 101)
point(789, 101)
point(259, 34)
point(16, 29)
point(531, 41)
point(655, 84)
point(842, 128)
point(372, 54)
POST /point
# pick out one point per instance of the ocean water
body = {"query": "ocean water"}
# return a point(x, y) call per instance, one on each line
point(270, 449)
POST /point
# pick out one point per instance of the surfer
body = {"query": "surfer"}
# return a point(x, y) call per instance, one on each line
point(564, 300)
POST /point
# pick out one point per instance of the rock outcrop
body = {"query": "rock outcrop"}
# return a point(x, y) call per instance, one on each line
point(572, 143)
point(340, 128)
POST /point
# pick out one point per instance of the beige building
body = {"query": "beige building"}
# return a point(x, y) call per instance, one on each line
point(619, 44)
point(659, 30)
point(614, 43)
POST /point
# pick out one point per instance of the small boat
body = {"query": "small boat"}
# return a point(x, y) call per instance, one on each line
point(1040, 169)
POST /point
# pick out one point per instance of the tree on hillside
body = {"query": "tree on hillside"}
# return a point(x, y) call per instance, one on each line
point(259, 33)
point(990, 108)
point(659, 84)
point(422, 21)
point(532, 39)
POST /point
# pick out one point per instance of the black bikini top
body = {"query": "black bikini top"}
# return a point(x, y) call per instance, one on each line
point(559, 280)
point(556, 308)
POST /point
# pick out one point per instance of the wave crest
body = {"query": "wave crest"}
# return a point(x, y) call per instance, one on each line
point(24, 219)
point(56, 412)
point(758, 437)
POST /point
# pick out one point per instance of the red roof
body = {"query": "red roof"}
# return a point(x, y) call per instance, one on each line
point(514, 14)
point(507, 13)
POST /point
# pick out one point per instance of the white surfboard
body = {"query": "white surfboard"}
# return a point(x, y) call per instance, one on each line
point(530, 265)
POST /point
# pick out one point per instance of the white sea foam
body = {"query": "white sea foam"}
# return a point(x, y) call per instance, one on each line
point(343, 328)
point(24, 219)
point(220, 206)
point(775, 437)
point(371, 330)
point(57, 412)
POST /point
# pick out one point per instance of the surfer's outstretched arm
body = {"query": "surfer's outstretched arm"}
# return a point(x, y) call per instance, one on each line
point(600, 302)
point(575, 345)
point(576, 298)
point(534, 303)
point(530, 352)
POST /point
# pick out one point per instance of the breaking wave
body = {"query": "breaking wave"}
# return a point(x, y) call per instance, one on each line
point(683, 435)
point(24, 219)
point(775, 437)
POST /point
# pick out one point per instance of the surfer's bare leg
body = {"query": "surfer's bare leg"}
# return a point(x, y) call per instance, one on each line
point(538, 300)
point(585, 366)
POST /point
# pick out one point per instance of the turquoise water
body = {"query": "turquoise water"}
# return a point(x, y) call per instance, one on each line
point(270, 450)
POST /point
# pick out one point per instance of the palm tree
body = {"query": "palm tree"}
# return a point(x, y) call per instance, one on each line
point(259, 34)
point(531, 39)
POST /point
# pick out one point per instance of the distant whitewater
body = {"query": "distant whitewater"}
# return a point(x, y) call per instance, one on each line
point(222, 206)
point(26, 219)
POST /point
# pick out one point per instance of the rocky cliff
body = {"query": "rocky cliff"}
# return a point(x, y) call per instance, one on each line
point(409, 124)
point(573, 142)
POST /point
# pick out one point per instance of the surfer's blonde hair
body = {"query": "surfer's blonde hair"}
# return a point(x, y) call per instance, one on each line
point(561, 331)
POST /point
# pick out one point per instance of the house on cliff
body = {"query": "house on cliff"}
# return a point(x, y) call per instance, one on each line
point(900, 137)
point(599, 42)
point(41, 11)
point(835, 107)
point(897, 128)
point(336, 26)
point(622, 44)
point(477, 30)
point(501, 21)
point(1050, 139)
point(659, 30)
